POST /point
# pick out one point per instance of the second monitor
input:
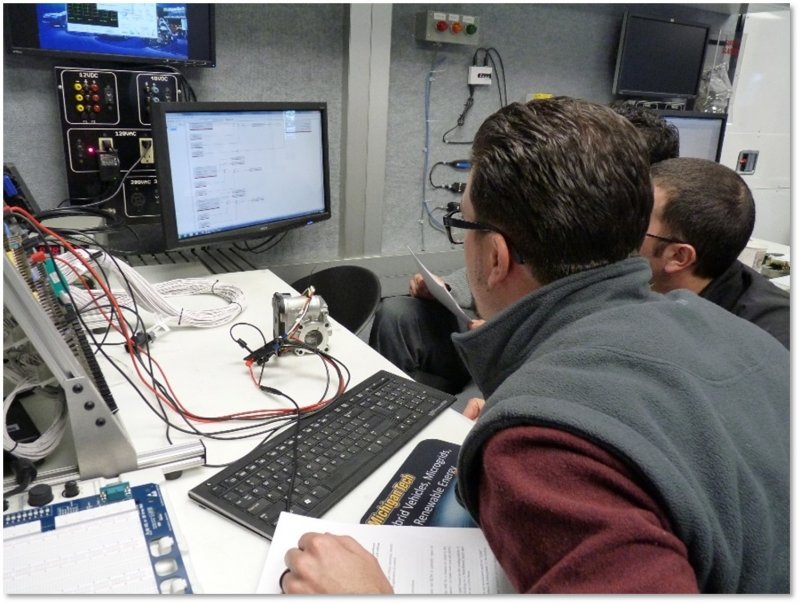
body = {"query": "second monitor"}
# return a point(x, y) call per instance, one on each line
point(240, 170)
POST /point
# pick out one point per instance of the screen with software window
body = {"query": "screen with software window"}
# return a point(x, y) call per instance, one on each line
point(230, 171)
point(701, 134)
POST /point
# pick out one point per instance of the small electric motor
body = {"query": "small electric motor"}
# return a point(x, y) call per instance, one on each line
point(303, 319)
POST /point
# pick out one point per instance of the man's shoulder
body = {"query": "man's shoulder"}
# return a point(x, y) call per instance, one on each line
point(751, 296)
point(741, 283)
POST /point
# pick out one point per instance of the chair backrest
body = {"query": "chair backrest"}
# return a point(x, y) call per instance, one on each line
point(351, 292)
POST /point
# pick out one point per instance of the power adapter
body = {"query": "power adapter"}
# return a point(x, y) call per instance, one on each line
point(108, 164)
point(479, 76)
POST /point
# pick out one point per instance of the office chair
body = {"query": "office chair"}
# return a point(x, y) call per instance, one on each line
point(351, 292)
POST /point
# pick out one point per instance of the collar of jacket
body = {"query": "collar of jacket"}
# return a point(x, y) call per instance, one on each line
point(496, 349)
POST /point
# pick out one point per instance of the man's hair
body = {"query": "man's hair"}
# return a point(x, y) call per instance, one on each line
point(566, 180)
point(661, 137)
point(709, 206)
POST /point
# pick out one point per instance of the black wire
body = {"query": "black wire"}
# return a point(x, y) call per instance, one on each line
point(501, 89)
point(501, 75)
point(259, 247)
point(461, 118)
point(430, 175)
point(117, 220)
point(262, 427)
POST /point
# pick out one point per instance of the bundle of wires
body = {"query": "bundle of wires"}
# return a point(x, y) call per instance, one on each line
point(152, 380)
point(152, 298)
point(50, 437)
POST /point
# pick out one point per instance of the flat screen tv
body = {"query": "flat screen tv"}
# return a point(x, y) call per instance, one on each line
point(143, 32)
point(230, 171)
point(659, 58)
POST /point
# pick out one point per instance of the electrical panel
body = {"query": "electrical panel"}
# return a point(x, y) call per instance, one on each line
point(105, 120)
point(446, 27)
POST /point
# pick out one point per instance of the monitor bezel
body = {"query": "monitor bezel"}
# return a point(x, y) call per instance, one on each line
point(700, 115)
point(623, 47)
point(164, 174)
point(15, 48)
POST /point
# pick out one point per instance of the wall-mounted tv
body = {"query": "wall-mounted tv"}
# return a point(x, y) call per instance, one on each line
point(143, 32)
point(230, 171)
point(659, 58)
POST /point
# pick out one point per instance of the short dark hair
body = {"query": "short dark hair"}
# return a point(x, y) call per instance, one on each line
point(709, 206)
point(567, 180)
point(661, 137)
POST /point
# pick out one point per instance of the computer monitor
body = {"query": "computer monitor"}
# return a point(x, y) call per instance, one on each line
point(141, 32)
point(701, 134)
point(659, 58)
point(230, 171)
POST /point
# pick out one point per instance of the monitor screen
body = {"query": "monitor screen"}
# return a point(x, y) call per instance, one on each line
point(144, 32)
point(659, 58)
point(232, 171)
point(701, 134)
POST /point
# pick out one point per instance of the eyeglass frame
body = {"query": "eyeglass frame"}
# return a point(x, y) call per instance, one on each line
point(667, 239)
point(449, 222)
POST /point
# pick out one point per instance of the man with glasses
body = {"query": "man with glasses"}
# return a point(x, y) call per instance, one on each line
point(703, 216)
point(414, 331)
point(631, 441)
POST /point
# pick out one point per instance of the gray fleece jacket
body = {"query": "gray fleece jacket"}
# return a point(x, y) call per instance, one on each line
point(692, 398)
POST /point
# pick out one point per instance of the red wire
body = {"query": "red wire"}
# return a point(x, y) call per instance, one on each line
point(177, 407)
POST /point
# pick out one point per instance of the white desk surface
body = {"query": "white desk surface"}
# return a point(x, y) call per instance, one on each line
point(772, 247)
point(206, 371)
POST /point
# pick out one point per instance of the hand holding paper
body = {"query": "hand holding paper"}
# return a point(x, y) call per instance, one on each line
point(439, 291)
point(415, 560)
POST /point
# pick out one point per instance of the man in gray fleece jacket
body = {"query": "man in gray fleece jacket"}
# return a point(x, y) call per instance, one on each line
point(631, 441)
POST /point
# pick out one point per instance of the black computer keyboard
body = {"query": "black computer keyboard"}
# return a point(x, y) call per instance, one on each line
point(337, 449)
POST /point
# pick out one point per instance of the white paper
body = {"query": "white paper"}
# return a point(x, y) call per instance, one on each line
point(440, 292)
point(416, 560)
point(782, 282)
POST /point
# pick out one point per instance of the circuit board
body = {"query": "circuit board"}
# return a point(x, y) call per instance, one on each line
point(119, 541)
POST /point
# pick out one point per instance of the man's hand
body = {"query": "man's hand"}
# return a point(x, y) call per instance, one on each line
point(417, 288)
point(474, 323)
point(332, 564)
point(473, 408)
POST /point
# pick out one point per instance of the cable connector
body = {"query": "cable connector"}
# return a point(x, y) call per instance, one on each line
point(141, 338)
point(456, 187)
point(138, 340)
point(459, 164)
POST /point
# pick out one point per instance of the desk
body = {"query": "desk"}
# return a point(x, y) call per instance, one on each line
point(205, 369)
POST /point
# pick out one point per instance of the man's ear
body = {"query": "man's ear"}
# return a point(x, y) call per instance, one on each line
point(679, 257)
point(499, 260)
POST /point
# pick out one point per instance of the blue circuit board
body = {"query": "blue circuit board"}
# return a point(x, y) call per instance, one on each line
point(152, 515)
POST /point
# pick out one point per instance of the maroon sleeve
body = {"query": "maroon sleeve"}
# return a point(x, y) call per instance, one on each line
point(564, 516)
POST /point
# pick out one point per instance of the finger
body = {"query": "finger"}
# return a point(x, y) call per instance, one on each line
point(306, 540)
point(474, 407)
point(475, 323)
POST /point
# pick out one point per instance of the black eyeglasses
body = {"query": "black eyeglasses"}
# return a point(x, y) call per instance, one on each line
point(667, 239)
point(453, 222)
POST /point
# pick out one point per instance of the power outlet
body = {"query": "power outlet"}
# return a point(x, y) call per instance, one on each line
point(105, 143)
point(146, 151)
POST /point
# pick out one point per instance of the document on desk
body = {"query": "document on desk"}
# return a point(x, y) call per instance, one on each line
point(416, 560)
point(440, 292)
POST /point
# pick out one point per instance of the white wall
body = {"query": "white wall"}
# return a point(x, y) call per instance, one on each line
point(759, 119)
